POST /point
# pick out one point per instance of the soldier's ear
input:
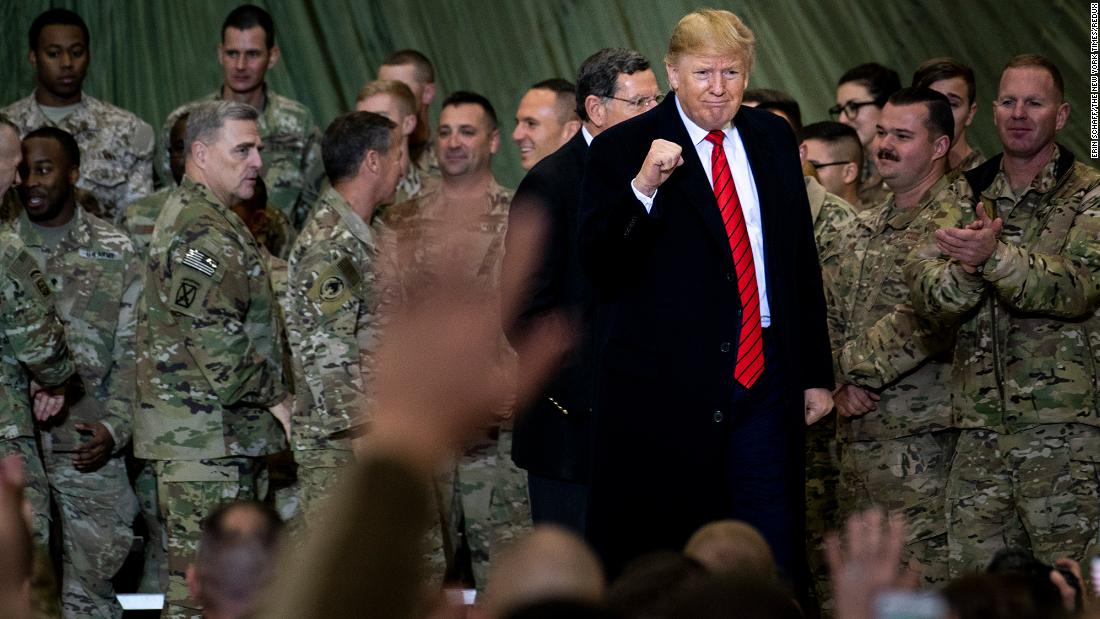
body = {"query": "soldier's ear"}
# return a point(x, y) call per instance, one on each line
point(273, 57)
point(494, 141)
point(198, 153)
point(428, 94)
point(372, 162)
point(851, 172)
point(33, 59)
point(942, 146)
point(74, 174)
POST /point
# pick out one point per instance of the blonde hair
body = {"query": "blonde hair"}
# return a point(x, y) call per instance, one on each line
point(398, 90)
point(711, 31)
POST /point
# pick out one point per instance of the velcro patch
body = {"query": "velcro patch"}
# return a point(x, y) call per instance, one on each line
point(333, 287)
point(186, 292)
point(200, 262)
point(40, 283)
point(99, 254)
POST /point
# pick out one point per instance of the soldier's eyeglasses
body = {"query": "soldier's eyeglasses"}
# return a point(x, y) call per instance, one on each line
point(640, 103)
point(850, 109)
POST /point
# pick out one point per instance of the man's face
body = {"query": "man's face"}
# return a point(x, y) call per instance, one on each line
point(856, 97)
point(232, 163)
point(48, 178)
point(1028, 111)
point(60, 60)
point(962, 108)
point(177, 156)
point(406, 74)
point(465, 143)
point(11, 155)
point(245, 58)
point(709, 87)
point(638, 87)
point(902, 145)
point(393, 166)
point(832, 177)
point(539, 130)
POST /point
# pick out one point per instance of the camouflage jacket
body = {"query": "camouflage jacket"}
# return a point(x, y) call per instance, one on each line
point(209, 349)
point(971, 161)
point(1028, 347)
point(883, 345)
point(831, 214)
point(94, 274)
point(32, 338)
point(414, 232)
point(116, 149)
point(420, 235)
point(137, 219)
point(332, 323)
point(292, 153)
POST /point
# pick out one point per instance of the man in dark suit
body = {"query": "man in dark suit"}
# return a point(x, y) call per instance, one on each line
point(552, 439)
point(711, 351)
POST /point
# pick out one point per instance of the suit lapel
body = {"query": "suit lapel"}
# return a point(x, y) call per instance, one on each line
point(690, 180)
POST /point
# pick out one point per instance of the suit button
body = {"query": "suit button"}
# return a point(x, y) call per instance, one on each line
point(731, 277)
point(718, 417)
point(724, 347)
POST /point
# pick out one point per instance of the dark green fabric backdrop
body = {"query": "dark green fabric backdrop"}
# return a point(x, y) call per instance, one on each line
point(151, 56)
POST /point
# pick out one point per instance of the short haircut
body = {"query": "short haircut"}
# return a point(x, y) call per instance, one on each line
point(425, 72)
point(1039, 62)
point(234, 565)
point(944, 68)
point(400, 91)
point(464, 97)
point(56, 17)
point(940, 119)
point(710, 31)
point(347, 140)
point(565, 95)
point(207, 119)
point(880, 81)
point(7, 122)
point(835, 134)
point(62, 137)
point(249, 16)
point(772, 99)
point(599, 74)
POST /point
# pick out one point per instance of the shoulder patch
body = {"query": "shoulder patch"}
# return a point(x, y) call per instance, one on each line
point(334, 286)
point(200, 262)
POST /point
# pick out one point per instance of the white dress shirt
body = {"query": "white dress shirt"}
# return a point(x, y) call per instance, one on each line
point(746, 191)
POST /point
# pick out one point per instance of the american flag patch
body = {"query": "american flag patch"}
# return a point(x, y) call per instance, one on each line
point(200, 262)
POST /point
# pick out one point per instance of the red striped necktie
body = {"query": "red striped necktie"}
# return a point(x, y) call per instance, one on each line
point(750, 346)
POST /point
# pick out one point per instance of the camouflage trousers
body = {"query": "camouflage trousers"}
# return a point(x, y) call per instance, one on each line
point(154, 572)
point(319, 471)
point(491, 495)
point(97, 517)
point(1038, 490)
point(907, 475)
point(186, 492)
point(822, 478)
point(37, 490)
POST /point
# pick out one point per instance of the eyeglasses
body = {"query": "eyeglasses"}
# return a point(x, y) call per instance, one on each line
point(818, 166)
point(639, 103)
point(850, 109)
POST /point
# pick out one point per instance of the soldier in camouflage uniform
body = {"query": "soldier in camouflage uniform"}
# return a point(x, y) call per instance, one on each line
point(416, 71)
point(292, 149)
point(32, 344)
point(333, 301)
point(831, 217)
point(861, 93)
point(1020, 276)
point(894, 428)
point(462, 222)
point(955, 81)
point(92, 269)
point(394, 100)
point(116, 146)
point(209, 349)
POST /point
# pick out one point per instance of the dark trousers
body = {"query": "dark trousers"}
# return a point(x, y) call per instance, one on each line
point(558, 502)
point(766, 466)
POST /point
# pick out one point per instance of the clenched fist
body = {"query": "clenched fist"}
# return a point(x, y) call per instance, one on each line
point(663, 158)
